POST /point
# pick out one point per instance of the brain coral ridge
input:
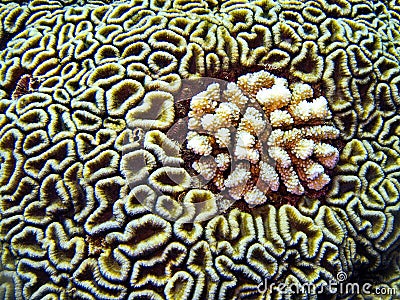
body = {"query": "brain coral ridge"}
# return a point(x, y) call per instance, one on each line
point(72, 228)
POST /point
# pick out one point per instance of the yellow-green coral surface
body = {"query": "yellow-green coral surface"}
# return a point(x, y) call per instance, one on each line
point(71, 227)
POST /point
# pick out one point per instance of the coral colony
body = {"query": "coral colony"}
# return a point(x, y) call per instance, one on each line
point(78, 78)
point(295, 153)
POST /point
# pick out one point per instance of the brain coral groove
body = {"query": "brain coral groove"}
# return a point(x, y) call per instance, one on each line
point(70, 225)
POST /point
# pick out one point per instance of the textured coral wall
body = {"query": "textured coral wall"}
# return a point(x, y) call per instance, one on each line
point(70, 226)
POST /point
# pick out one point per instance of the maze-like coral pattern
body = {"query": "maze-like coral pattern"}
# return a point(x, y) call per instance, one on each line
point(71, 227)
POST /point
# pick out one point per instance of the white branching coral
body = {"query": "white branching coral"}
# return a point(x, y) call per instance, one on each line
point(223, 161)
point(206, 167)
point(227, 113)
point(239, 176)
point(252, 121)
point(300, 92)
point(269, 175)
point(200, 144)
point(326, 154)
point(209, 122)
point(305, 111)
point(267, 133)
point(280, 118)
point(252, 83)
point(245, 147)
point(254, 196)
point(236, 96)
point(223, 137)
point(237, 180)
point(303, 148)
point(205, 101)
point(273, 98)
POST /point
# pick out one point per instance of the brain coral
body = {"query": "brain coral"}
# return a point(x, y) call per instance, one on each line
point(71, 227)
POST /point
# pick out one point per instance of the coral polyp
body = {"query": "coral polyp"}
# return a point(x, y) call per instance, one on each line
point(267, 133)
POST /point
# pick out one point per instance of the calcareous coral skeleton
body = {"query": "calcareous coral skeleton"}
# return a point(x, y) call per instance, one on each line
point(279, 131)
point(73, 225)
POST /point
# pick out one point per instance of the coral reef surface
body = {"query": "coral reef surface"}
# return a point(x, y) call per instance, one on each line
point(77, 76)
